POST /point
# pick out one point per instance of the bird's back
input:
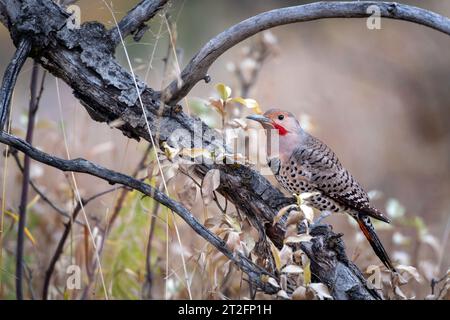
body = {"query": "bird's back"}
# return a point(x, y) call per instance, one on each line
point(313, 166)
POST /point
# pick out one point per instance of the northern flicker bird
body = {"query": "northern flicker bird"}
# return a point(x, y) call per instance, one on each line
point(306, 164)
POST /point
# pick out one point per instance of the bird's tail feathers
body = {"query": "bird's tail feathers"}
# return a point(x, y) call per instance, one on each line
point(369, 231)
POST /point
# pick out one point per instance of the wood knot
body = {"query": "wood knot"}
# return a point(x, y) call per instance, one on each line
point(207, 78)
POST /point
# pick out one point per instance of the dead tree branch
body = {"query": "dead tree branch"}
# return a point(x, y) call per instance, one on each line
point(197, 68)
point(254, 272)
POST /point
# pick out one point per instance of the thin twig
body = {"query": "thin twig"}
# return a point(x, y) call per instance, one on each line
point(116, 211)
point(435, 282)
point(148, 283)
point(10, 78)
point(33, 185)
point(258, 52)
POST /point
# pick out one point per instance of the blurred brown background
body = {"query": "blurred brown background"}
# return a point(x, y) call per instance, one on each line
point(379, 98)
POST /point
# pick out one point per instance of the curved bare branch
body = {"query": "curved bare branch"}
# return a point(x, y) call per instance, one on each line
point(197, 68)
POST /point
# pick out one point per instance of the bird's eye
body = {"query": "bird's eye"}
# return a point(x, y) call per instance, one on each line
point(280, 117)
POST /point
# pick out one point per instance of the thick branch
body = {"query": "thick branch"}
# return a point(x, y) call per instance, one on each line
point(135, 18)
point(10, 78)
point(198, 67)
point(330, 265)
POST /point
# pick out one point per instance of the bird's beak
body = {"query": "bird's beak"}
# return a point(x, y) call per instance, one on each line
point(261, 119)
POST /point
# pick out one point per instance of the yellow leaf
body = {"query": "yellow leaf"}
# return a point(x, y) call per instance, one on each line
point(249, 103)
point(307, 273)
point(33, 201)
point(239, 100)
point(224, 91)
point(15, 217)
point(276, 256)
point(169, 151)
point(66, 295)
point(169, 219)
point(29, 236)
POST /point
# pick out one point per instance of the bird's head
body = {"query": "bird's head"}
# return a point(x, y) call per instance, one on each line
point(283, 121)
